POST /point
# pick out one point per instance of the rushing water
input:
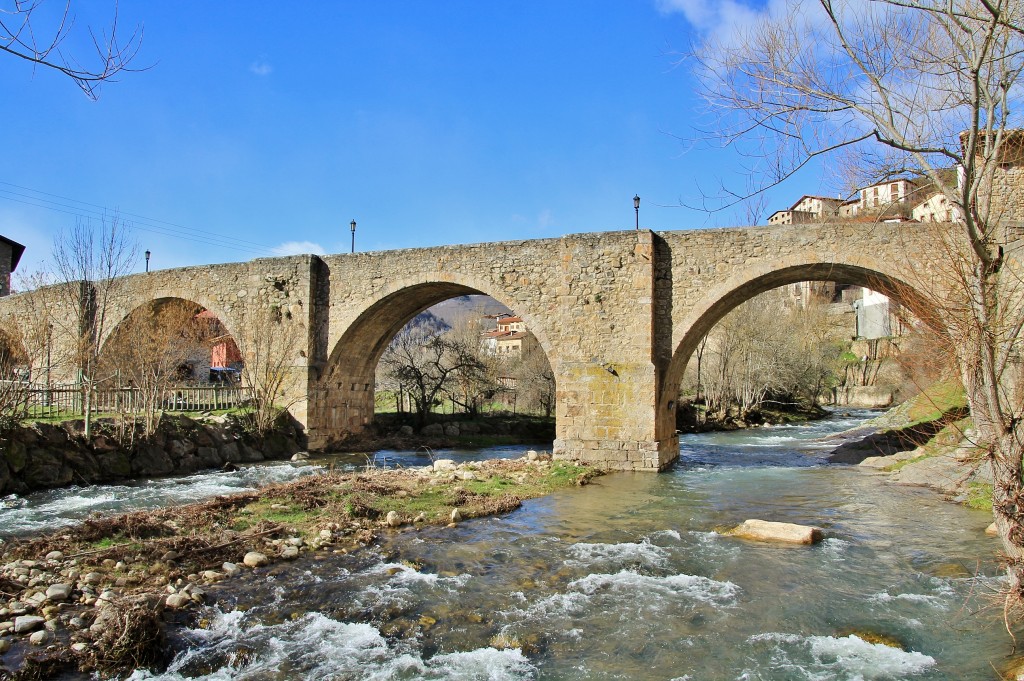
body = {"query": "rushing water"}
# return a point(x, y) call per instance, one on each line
point(629, 578)
point(48, 510)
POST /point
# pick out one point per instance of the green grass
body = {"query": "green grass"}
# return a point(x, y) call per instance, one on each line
point(979, 496)
point(939, 399)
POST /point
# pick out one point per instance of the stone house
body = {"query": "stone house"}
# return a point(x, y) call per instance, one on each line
point(807, 209)
point(10, 255)
point(935, 208)
point(507, 337)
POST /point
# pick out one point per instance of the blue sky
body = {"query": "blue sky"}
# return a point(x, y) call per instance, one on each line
point(428, 123)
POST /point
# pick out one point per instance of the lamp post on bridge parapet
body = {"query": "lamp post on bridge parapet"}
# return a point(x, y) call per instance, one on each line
point(353, 226)
point(636, 207)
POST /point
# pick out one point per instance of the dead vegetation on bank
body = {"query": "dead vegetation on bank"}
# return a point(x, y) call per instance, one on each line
point(95, 597)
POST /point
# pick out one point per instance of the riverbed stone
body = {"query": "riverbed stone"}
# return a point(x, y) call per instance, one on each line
point(766, 530)
point(41, 637)
point(5, 645)
point(58, 592)
point(393, 519)
point(27, 623)
point(456, 515)
point(55, 555)
point(177, 601)
point(444, 465)
point(255, 559)
point(231, 570)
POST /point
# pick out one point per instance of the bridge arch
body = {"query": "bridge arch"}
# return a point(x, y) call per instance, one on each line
point(749, 282)
point(343, 396)
point(123, 317)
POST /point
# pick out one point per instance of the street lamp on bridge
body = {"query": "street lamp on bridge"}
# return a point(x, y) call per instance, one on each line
point(147, 259)
point(353, 226)
point(636, 207)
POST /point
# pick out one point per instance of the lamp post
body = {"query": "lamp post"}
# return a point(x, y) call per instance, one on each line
point(352, 225)
point(636, 207)
point(147, 259)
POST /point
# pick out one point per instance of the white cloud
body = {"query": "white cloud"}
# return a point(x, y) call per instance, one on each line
point(261, 68)
point(299, 248)
point(728, 20)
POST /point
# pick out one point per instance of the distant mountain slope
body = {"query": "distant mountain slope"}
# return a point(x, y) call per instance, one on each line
point(454, 310)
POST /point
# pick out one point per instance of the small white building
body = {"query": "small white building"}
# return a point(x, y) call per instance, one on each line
point(935, 208)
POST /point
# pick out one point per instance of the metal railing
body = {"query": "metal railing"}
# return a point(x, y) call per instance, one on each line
point(41, 401)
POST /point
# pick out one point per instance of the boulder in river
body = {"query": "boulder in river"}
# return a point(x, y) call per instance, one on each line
point(787, 533)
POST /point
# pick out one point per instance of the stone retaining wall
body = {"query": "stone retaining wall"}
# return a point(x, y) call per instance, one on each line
point(43, 456)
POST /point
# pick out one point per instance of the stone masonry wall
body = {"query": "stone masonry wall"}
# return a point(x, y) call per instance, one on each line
point(618, 314)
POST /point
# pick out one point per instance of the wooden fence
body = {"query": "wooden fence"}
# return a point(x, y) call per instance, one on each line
point(40, 401)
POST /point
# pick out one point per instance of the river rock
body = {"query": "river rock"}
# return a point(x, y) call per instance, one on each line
point(55, 555)
point(393, 520)
point(5, 645)
point(177, 601)
point(432, 429)
point(58, 592)
point(444, 465)
point(992, 530)
point(39, 638)
point(300, 456)
point(27, 623)
point(255, 559)
point(290, 552)
point(532, 455)
point(788, 533)
point(456, 515)
point(231, 570)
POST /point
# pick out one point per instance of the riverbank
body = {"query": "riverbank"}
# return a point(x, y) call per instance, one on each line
point(390, 430)
point(693, 418)
point(96, 597)
point(928, 441)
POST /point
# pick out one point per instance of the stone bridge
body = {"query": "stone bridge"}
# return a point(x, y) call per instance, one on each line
point(618, 314)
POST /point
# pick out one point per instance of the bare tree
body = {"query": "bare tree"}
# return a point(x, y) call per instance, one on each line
point(909, 88)
point(269, 341)
point(30, 30)
point(13, 384)
point(147, 350)
point(90, 263)
point(535, 380)
point(765, 350)
point(429, 362)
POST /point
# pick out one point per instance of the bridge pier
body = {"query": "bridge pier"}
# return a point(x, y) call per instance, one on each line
point(606, 416)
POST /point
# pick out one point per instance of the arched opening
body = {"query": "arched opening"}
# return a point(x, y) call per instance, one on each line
point(693, 332)
point(168, 353)
point(431, 352)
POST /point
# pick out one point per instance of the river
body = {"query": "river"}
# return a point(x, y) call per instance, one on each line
point(629, 578)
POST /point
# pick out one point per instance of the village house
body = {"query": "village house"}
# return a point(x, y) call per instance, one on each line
point(807, 209)
point(10, 255)
point(507, 337)
point(218, 360)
